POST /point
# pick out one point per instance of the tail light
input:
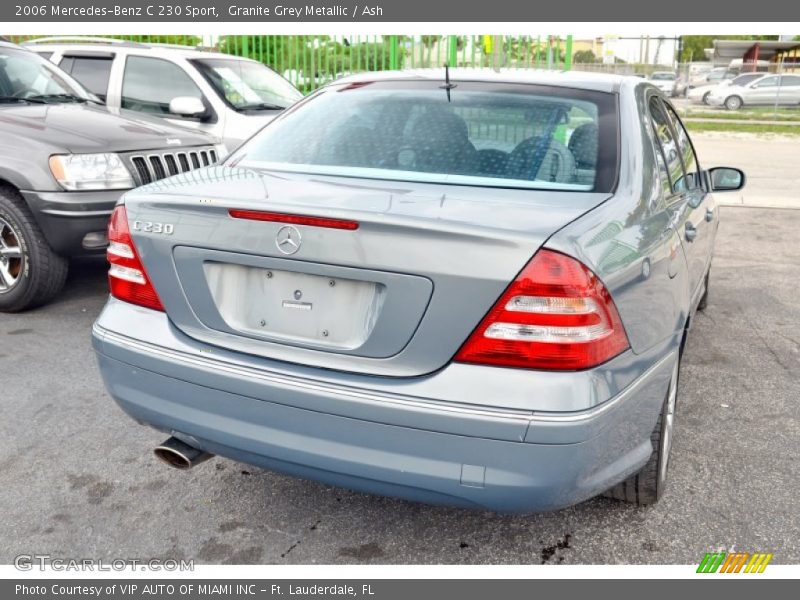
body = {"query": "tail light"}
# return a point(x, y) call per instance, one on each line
point(127, 277)
point(556, 315)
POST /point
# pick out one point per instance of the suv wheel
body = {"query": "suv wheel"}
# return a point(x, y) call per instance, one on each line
point(733, 103)
point(30, 272)
point(705, 97)
point(647, 486)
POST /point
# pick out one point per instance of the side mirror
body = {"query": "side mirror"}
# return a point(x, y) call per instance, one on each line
point(187, 106)
point(726, 179)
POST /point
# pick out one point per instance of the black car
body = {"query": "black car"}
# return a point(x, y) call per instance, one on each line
point(65, 159)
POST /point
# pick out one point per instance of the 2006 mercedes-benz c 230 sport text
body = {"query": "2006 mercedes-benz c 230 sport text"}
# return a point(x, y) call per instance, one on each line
point(461, 288)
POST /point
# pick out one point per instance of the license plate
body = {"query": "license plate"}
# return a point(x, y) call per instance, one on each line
point(292, 306)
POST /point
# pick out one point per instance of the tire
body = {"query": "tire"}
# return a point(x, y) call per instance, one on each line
point(733, 103)
point(31, 274)
point(647, 486)
point(704, 300)
point(705, 98)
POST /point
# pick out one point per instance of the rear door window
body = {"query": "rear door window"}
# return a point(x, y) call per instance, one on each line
point(667, 145)
point(92, 72)
point(692, 180)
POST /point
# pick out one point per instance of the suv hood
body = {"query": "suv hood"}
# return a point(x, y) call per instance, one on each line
point(87, 128)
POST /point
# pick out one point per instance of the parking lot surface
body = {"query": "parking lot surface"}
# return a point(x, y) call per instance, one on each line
point(78, 478)
point(770, 162)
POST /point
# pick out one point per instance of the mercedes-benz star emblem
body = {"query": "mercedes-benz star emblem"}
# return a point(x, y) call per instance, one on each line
point(288, 239)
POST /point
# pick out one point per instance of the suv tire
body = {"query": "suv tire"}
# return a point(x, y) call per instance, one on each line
point(647, 486)
point(30, 272)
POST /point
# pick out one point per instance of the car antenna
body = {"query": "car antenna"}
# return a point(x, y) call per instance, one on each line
point(447, 85)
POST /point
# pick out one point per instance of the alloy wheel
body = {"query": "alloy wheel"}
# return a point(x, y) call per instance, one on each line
point(12, 260)
point(733, 103)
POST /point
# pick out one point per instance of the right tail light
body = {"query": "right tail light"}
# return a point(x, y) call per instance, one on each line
point(556, 315)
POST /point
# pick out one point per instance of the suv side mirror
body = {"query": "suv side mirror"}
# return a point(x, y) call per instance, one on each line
point(726, 179)
point(187, 106)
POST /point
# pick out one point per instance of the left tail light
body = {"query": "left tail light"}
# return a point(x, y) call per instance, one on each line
point(127, 277)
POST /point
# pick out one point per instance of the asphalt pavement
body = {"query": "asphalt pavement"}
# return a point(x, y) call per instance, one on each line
point(78, 478)
point(769, 161)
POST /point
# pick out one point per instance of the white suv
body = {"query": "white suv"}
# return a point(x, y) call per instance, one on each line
point(227, 96)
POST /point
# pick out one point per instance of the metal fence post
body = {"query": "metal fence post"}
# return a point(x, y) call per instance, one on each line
point(568, 54)
point(393, 48)
point(452, 50)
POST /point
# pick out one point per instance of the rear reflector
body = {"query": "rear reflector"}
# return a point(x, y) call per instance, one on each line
point(127, 277)
point(556, 315)
point(257, 215)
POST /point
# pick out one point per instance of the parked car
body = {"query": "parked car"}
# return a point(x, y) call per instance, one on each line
point(783, 90)
point(64, 162)
point(226, 96)
point(696, 89)
point(701, 94)
point(665, 81)
point(473, 293)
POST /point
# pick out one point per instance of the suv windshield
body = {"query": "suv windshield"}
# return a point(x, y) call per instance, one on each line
point(24, 76)
point(506, 135)
point(247, 85)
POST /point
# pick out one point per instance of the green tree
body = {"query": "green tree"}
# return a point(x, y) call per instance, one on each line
point(584, 56)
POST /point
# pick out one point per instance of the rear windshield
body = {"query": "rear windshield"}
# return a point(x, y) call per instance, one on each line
point(503, 135)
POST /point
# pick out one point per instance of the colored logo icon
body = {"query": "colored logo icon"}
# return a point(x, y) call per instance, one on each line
point(735, 562)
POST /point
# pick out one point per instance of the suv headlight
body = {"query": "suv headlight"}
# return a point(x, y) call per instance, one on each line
point(91, 172)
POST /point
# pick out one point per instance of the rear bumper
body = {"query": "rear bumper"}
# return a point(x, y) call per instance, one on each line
point(371, 440)
point(67, 217)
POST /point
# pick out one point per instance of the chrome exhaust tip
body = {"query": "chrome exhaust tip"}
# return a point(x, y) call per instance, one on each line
point(180, 455)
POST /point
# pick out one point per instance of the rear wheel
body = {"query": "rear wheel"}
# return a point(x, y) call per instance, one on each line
point(733, 103)
point(705, 97)
point(647, 486)
point(30, 272)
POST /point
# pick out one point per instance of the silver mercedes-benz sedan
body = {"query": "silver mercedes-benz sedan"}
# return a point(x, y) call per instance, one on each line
point(466, 288)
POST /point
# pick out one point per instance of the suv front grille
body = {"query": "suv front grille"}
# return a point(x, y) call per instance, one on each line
point(158, 165)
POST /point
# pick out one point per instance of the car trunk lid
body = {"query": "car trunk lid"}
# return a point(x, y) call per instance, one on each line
point(396, 296)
